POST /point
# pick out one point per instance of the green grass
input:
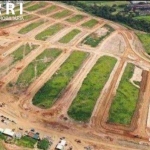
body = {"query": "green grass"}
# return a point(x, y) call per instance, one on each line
point(90, 24)
point(146, 18)
point(47, 10)
point(93, 40)
point(22, 51)
point(125, 101)
point(26, 141)
point(75, 18)
point(68, 37)
point(31, 26)
point(61, 14)
point(36, 6)
point(41, 62)
point(50, 92)
point(83, 105)
point(49, 31)
point(145, 39)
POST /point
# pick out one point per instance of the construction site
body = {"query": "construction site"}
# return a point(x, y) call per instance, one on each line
point(68, 74)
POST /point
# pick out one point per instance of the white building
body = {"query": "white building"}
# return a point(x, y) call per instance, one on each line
point(61, 145)
point(137, 2)
point(9, 132)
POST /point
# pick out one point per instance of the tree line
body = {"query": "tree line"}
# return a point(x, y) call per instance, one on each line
point(106, 12)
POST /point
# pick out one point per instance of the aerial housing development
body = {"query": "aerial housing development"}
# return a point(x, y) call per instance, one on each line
point(75, 75)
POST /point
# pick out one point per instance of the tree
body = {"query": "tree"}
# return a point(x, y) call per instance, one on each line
point(43, 144)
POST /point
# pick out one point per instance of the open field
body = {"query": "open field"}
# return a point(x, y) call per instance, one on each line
point(68, 37)
point(70, 94)
point(124, 103)
point(90, 24)
point(52, 89)
point(83, 105)
point(49, 31)
point(145, 39)
point(62, 14)
point(95, 38)
point(75, 18)
point(48, 10)
point(37, 66)
point(31, 26)
point(36, 6)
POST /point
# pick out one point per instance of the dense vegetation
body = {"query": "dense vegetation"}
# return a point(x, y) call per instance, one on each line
point(83, 105)
point(107, 12)
point(43, 144)
point(49, 93)
point(124, 103)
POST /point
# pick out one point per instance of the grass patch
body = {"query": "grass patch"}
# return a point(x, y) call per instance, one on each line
point(83, 105)
point(145, 39)
point(41, 63)
point(31, 26)
point(49, 31)
point(124, 103)
point(75, 18)
point(2, 147)
point(90, 24)
point(49, 93)
point(47, 10)
point(93, 39)
point(146, 18)
point(36, 6)
point(22, 51)
point(26, 141)
point(68, 37)
point(61, 14)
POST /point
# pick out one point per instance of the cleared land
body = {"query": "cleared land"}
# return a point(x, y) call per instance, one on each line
point(31, 26)
point(68, 37)
point(94, 39)
point(83, 105)
point(61, 14)
point(145, 39)
point(124, 103)
point(58, 82)
point(90, 24)
point(75, 18)
point(36, 6)
point(37, 66)
point(47, 10)
point(49, 31)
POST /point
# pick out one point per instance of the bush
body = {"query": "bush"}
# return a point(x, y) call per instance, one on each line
point(43, 144)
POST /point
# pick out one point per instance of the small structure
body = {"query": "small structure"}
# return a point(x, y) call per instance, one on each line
point(18, 135)
point(137, 2)
point(33, 135)
point(61, 145)
point(9, 132)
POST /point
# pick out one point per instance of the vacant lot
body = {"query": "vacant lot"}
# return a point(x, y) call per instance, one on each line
point(22, 51)
point(48, 10)
point(83, 105)
point(124, 103)
point(61, 14)
point(50, 92)
point(94, 39)
point(68, 37)
point(49, 31)
point(75, 18)
point(31, 26)
point(145, 39)
point(90, 24)
point(36, 6)
point(37, 66)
